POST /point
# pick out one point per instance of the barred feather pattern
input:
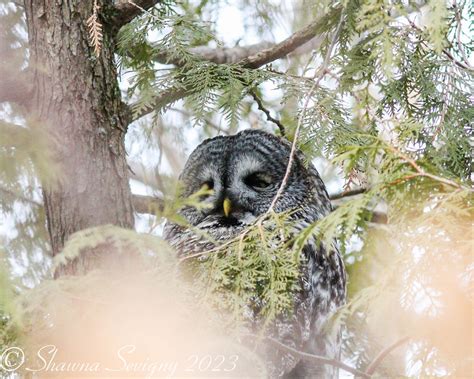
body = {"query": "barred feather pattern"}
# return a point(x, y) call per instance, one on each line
point(224, 163)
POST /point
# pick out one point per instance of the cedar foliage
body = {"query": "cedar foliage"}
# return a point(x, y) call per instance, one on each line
point(393, 111)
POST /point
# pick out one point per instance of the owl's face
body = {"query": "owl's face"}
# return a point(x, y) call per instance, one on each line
point(244, 172)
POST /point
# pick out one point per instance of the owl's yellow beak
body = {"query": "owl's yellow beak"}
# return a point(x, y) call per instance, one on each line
point(227, 206)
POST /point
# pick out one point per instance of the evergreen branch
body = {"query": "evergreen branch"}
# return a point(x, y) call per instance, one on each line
point(422, 173)
point(375, 216)
point(15, 87)
point(444, 110)
point(383, 354)
point(267, 113)
point(126, 11)
point(95, 29)
point(161, 101)
point(318, 359)
point(446, 53)
point(254, 61)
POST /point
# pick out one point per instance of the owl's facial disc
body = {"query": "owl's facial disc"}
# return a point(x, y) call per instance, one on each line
point(244, 172)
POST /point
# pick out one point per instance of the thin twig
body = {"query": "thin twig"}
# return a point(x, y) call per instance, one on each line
point(20, 197)
point(457, 13)
point(383, 354)
point(321, 72)
point(267, 113)
point(209, 122)
point(444, 51)
point(444, 110)
point(147, 204)
point(349, 193)
point(423, 173)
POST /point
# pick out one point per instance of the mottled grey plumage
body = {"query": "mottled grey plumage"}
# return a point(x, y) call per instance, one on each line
point(248, 168)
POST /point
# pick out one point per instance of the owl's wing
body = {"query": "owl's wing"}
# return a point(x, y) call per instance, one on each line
point(323, 283)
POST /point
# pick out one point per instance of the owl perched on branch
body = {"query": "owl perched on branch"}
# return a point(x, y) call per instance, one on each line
point(244, 172)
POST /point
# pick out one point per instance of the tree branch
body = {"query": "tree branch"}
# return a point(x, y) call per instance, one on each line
point(341, 195)
point(267, 113)
point(161, 101)
point(147, 204)
point(446, 53)
point(126, 11)
point(285, 47)
point(17, 196)
point(253, 61)
point(227, 55)
point(318, 359)
point(381, 356)
point(376, 217)
point(214, 126)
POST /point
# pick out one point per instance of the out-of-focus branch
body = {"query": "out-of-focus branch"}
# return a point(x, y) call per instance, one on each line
point(253, 61)
point(287, 46)
point(334, 362)
point(147, 204)
point(15, 87)
point(17, 196)
point(221, 55)
point(126, 10)
point(164, 99)
point(376, 216)
point(317, 359)
point(214, 126)
point(383, 354)
point(146, 177)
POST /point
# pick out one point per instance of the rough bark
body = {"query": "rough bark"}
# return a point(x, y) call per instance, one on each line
point(76, 98)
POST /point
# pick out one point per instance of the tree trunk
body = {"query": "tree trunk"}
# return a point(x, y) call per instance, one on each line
point(77, 99)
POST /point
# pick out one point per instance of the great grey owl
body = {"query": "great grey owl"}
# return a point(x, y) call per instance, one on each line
point(245, 171)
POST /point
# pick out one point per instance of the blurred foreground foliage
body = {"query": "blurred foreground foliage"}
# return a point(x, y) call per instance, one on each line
point(393, 110)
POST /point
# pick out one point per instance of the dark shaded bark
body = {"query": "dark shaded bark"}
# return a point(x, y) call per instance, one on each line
point(126, 12)
point(76, 98)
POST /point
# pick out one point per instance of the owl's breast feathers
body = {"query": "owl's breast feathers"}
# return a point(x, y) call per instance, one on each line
point(322, 292)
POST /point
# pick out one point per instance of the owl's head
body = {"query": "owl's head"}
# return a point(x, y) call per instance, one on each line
point(244, 172)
